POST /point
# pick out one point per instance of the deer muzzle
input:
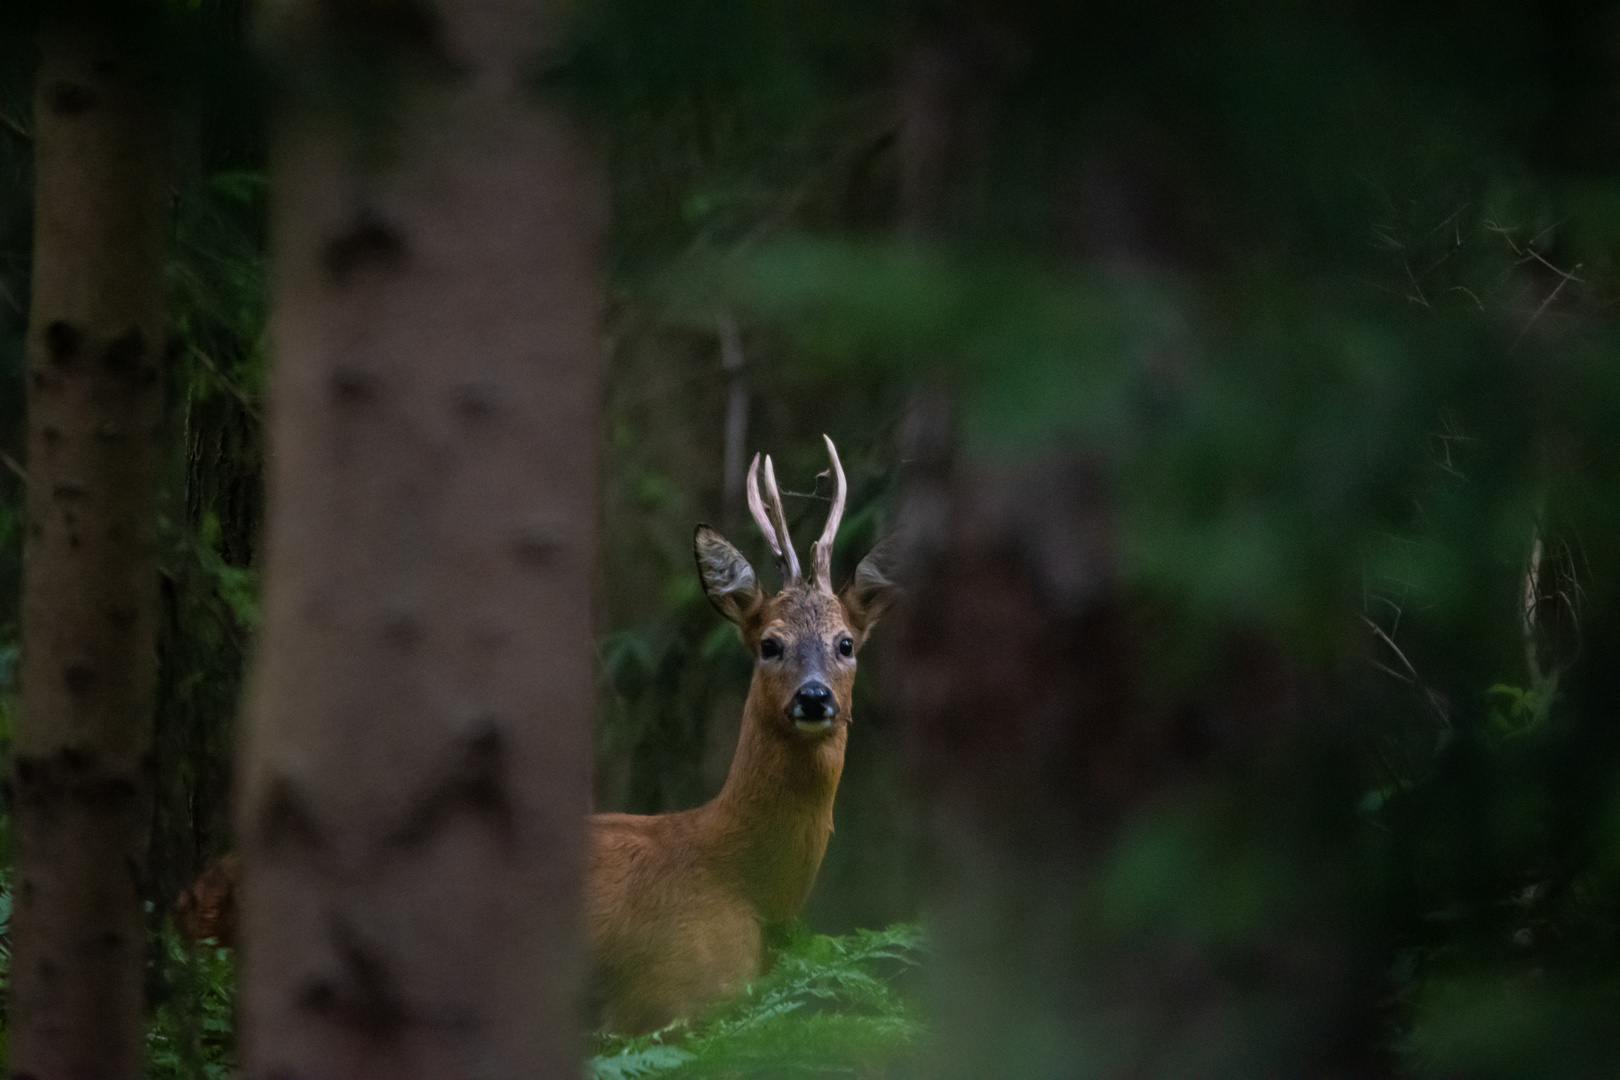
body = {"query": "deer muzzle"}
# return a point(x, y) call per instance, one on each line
point(813, 707)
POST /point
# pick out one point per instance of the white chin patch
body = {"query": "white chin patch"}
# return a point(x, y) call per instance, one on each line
point(813, 725)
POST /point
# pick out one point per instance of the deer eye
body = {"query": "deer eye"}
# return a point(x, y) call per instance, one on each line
point(770, 649)
point(846, 646)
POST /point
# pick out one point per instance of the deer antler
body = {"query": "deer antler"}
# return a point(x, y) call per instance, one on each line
point(772, 522)
point(790, 571)
point(821, 551)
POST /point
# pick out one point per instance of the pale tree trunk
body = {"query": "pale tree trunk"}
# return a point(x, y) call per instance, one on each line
point(80, 774)
point(416, 750)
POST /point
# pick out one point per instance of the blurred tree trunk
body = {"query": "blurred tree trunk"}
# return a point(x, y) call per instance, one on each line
point(1046, 739)
point(416, 754)
point(80, 775)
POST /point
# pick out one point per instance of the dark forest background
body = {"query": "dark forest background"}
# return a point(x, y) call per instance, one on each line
point(1244, 381)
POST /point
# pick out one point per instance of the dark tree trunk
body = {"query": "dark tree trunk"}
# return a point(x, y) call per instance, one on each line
point(415, 766)
point(1045, 733)
point(203, 636)
point(80, 775)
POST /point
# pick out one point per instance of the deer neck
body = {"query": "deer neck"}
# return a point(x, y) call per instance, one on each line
point(774, 814)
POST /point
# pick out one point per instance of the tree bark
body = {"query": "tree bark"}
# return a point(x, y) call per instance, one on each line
point(80, 773)
point(416, 751)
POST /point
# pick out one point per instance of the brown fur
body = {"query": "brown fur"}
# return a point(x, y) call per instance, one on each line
point(207, 907)
point(677, 904)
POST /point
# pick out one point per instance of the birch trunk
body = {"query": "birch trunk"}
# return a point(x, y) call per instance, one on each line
point(81, 767)
point(416, 750)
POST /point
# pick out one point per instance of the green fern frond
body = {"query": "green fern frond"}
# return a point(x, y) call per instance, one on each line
point(827, 1007)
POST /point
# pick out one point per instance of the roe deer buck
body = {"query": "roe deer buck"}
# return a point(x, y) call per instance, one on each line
point(675, 903)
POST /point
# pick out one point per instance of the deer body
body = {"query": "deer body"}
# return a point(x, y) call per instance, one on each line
point(676, 905)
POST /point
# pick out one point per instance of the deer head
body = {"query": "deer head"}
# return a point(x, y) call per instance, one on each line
point(805, 637)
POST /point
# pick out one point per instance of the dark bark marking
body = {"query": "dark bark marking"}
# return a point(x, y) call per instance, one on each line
point(378, 999)
point(477, 400)
point(63, 341)
point(534, 545)
point(490, 634)
point(318, 995)
point(352, 386)
point(285, 818)
point(68, 98)
point(123, 354)
point(370, 241)
point(71, 774)
point(26, 892)
point(105, 943)
point(68, 491)
point(108, 433)
point(122, 616)
point(108, 791)
point(401, 27)
point(366, 996)
point(401, 628)
point(79, 678)
point(476, 782)
point(73, 541)
point(52, 436)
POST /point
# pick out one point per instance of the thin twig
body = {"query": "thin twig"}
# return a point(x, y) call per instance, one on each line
point(11, 463)
point(17, 127)
point(248, 405)
point(1544, 305)
point(1532, 593)
point(1391, 643)
point(807, 494)
point(1387, 670)
point(1454, 215)
point(1435, 701)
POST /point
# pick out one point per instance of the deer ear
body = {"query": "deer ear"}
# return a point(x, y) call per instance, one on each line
point(728, 580)
point(872, 589)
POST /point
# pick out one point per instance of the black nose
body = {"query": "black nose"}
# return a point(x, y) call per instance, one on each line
point(813, 702)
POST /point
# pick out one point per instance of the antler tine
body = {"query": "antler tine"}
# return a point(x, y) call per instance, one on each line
point(821, 552)
point(790, 559)
point(756, 507)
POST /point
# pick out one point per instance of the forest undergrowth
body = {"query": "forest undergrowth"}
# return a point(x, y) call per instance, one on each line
point(828, 1006)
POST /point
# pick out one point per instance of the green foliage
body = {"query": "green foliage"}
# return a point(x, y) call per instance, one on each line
point(828, 1007)
point(191, 1025)
point(191, 1001)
